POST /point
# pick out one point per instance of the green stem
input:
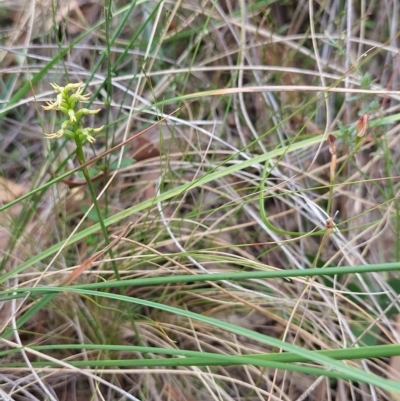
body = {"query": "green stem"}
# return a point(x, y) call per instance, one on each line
point(81, 158)
point(107, 19)
point(355, 150)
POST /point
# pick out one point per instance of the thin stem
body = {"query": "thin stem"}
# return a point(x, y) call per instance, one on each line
point(85, 171)
point(340, 169)
point(331, 187)
point(81, 159)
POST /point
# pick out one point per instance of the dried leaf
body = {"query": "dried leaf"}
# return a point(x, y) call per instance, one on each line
point(144, 149)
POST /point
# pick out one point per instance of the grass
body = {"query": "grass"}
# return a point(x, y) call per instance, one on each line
point(232, 252)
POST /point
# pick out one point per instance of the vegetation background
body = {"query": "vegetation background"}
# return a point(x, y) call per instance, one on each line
point(246, 246)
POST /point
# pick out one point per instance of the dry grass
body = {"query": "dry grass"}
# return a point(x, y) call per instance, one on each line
point(259, 87)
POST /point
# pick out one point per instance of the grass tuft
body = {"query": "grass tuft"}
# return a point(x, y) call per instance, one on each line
point(244, 239)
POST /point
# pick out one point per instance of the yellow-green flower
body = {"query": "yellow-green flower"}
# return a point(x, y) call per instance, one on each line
point(66, 103)
point(86, 133)
point(56, 135)
point(67, 88)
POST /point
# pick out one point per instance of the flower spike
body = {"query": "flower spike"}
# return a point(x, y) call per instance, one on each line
point(66, 103)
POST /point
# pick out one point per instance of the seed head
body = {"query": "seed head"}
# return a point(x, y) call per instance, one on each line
point(331, 144)
point(329, 223)
point(362, 125)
